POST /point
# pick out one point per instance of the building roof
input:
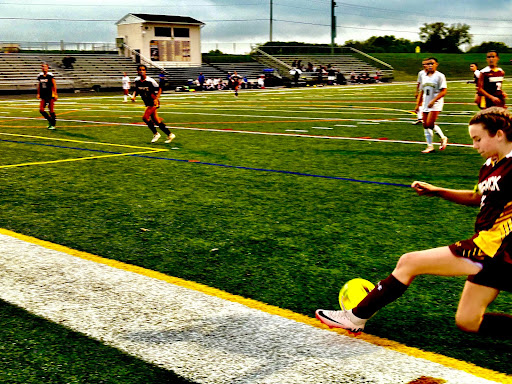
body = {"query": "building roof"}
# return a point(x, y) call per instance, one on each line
point(158, 19)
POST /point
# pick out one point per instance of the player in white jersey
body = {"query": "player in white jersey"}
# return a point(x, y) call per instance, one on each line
point(126, 86)
point(433, 89)
point(419, 113)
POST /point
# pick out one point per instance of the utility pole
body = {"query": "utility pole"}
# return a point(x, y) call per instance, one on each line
point(271, 17)
point(333, 25)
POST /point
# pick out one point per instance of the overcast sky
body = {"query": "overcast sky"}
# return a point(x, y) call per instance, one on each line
point(248, 21)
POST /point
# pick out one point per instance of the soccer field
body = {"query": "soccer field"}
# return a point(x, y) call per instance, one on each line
point(279, 195)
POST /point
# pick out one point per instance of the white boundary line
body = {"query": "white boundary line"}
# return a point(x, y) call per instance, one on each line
point(381, 140)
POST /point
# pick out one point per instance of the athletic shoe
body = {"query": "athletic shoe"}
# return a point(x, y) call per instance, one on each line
point(170, 138)
point(340, 319)
point(444, 143)
point(429, 149)
point(51, 127)
point(155, 138)
point(417, 122)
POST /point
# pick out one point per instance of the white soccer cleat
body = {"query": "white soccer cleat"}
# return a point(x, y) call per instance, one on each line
point(155, 138)
point(429, 149)
point(170, 138)
point(341, 319)
point(444, 143)
point(51, 127)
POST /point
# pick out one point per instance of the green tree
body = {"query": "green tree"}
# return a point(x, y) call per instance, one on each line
point(491, 46)
point(439, 37)
point(383, 44)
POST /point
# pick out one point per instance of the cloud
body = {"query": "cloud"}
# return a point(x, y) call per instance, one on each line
point(242, 22)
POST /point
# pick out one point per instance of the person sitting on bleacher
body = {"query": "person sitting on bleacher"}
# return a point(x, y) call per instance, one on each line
point(68, 62)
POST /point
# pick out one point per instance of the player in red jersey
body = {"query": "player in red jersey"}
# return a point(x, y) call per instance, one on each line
point(490, 83)
point(47, 94)
point(150, 91)
point(485, 258)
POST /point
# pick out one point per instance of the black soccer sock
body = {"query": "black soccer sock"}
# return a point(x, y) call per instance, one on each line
point(46, 116)
point(151, 126)
point(53, 120)
point(164, 128)
point(497, 325)
point(386, 291)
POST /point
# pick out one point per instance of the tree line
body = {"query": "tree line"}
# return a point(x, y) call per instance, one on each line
point(435, 38)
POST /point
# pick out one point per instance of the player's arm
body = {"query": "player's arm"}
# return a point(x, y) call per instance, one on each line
point(38, 90)
point(54, 89)
point(156, 96)
point(134, 95)
point(440, 95)
point(459, 196)
point(419, 100)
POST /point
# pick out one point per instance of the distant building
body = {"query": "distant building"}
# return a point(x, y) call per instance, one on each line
point(161, 39)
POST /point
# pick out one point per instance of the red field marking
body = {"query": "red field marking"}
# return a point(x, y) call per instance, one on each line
point(427, 380)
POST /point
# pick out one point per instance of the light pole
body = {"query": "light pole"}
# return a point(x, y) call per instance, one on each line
point(271, 17)
point(333, 25)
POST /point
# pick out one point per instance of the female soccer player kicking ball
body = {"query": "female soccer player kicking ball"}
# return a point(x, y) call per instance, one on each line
point(486, 258)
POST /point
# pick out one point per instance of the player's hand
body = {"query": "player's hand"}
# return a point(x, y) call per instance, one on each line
point(156, 103)
point(423, 188)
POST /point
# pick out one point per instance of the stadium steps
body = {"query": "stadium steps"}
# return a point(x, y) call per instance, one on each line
point(19, 71)
point(346, 64)
point(96, 71)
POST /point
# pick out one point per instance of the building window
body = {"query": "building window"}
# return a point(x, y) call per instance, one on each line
point(163, 31)
point(181, 32)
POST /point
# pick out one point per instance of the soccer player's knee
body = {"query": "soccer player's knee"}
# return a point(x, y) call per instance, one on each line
point(145, 119)
point(406, 260)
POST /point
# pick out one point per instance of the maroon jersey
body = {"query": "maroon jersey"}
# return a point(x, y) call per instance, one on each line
point(45, 85)
point(146, 89)
point(492, 83)
point(493, 224)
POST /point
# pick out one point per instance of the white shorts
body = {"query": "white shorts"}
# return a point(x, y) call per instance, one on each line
point(437, 107)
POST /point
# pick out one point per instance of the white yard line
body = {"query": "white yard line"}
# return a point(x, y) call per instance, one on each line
point(202, 337)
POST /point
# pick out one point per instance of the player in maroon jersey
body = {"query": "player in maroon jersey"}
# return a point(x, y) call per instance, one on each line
point(490, 83)
point(150, 91)
point(485, 258)
point(47, 94)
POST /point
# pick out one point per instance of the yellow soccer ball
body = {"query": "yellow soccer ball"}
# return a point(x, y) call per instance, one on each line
point(353, 292)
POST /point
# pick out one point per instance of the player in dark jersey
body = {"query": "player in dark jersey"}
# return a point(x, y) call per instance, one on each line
point(473, 67)
point(235, 82)
point(150, 92)
point(485, 258)
point(490, 83)
point(47, 94)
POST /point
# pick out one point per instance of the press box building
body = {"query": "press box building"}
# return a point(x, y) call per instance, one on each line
point(161, 39)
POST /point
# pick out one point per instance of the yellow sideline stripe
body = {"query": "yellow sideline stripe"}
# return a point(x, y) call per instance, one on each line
point(146, 150)
point(389, 344)
point(84, 142)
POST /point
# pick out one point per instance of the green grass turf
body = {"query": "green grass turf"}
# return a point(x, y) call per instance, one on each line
point(453, 65)
point(250, 217)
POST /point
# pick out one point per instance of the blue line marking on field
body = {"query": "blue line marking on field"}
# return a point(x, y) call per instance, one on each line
point(217, 165)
